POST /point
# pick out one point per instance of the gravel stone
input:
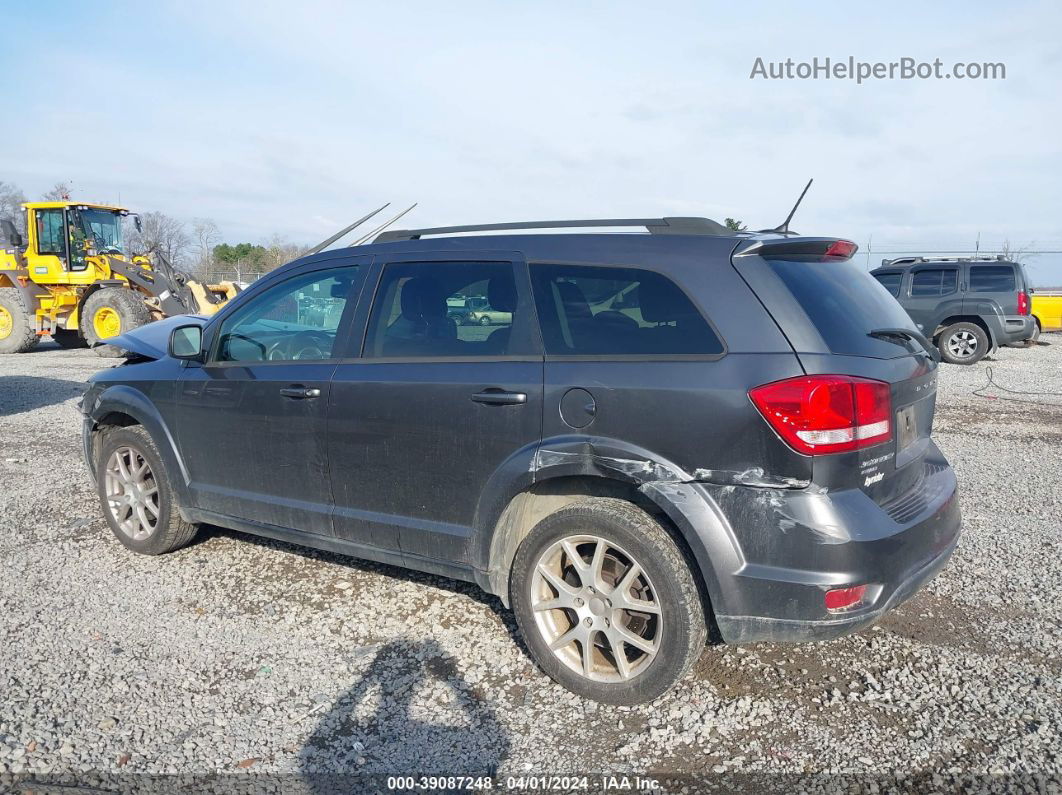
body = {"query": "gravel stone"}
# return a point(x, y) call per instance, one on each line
point(247, 651)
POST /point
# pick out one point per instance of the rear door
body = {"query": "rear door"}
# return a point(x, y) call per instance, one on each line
point(932, 295)
point(434, 409)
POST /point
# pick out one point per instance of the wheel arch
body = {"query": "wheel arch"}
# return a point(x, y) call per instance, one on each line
point(685, 510)
point(121, 406)
point(977, 320)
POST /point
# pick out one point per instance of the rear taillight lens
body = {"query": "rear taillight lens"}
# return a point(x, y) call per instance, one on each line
point(842, 598)
point(841, 248)
point(819, 414)
point(1023, 303)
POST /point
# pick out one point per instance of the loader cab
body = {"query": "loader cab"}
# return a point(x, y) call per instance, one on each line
point(62, 235)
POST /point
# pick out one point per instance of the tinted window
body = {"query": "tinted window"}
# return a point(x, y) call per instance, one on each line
point(443, 309)
point(50, 233)
point(844, 303)
point(934, 282)
point(617, 311)
point(891, 281)
point(295, 320)
point(992, 279)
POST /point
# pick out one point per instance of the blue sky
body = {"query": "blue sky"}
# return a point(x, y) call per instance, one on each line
point(293, 119)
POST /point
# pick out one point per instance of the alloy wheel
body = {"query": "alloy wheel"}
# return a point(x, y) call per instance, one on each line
point(962, 344)
point(596, 608)
point(132, 493)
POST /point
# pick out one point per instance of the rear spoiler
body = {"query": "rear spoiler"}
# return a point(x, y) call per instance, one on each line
point(830, 249)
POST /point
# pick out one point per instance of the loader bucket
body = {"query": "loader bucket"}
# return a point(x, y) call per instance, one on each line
point(209, 298)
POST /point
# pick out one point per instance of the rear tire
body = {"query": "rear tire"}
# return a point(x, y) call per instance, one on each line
point(110, 312)
point(963, 343)
point(128, 465)
point(69, 338)
point(17, 334)
point(612, 538)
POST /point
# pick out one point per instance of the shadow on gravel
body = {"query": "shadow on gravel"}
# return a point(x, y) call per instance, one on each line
point(410, 713)
point(21, 393)
point(466, 589)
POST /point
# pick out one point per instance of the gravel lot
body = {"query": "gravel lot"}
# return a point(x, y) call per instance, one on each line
point(243, 656)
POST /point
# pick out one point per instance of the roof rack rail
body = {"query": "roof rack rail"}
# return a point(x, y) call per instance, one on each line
point(655, 226)
point(900, 261)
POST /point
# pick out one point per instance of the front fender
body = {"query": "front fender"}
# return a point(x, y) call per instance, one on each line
point(125, 399)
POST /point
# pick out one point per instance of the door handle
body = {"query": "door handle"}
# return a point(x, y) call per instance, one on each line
point(499, 397)
point(300, 392)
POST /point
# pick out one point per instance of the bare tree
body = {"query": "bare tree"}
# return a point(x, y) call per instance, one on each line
point(11, 199)
point(160, 233)
point(60, 192)
point(205, 235)
point(279, 251)
point(1016, 253)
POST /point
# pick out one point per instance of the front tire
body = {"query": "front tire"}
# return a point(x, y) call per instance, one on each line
point(136, 493)
point(484, 320)
point(607, 602)
point(110, 312)
point(963, 343)
point(17, 334)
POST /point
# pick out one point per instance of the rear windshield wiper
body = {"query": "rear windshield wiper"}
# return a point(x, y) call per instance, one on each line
point(892, 334)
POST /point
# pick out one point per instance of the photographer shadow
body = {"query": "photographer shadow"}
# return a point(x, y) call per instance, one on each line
point(410, 714)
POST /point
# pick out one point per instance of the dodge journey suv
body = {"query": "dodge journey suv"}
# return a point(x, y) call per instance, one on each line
point(661, 434)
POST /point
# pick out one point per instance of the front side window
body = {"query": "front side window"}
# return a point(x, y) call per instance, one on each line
point(51, 238)
point(296, 320)
point(890, 281)
point(934, 282)
point(992, 279)
point(598, 311)
point(444, 309)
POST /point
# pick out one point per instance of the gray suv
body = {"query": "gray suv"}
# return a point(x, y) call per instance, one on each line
point(688, 430)
point(967, 306)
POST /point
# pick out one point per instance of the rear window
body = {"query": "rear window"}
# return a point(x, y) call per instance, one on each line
point(601, 311)
point(992, 279)
point(844, 303)
point(890, 281)
point(936, 281)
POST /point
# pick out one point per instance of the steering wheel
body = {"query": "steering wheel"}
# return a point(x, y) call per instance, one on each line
point(306, 345)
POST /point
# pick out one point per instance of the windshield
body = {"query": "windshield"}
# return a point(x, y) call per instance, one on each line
point(103, 229)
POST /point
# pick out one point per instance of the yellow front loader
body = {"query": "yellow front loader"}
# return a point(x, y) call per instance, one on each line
point(72, 279)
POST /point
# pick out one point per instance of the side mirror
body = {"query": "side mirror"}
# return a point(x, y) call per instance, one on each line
point(186, 342)
point(136, 222)
point(9, 233)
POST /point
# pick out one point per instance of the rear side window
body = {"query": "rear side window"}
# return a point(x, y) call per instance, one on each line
point(992, 279)
point(844, 303)
point(890, 281)
point(937, 281)
point(592, 311)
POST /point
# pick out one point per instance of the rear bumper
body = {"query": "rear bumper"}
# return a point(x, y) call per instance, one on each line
point(745, 629)
point(774, 553)
point(1018, 328)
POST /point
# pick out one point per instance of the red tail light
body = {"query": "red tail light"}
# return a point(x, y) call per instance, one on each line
point(841, 248)
point(840, 598)
point(1023, 303)
point(819, 414)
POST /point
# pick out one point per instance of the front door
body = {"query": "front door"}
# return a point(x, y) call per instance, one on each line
point(251, 420)
point(437, 405)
